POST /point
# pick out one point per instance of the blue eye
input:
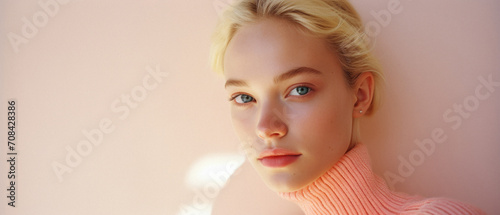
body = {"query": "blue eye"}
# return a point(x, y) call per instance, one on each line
point(300, 91)
point(242, 98)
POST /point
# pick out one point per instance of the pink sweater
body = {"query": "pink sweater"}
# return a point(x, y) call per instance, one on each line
point(351, 187)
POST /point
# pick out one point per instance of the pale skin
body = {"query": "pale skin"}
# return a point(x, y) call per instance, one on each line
point(288, 91)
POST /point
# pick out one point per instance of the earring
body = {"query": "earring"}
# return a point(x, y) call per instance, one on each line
point(360, 111)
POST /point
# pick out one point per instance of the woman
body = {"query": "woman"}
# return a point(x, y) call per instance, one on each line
point(299, 76)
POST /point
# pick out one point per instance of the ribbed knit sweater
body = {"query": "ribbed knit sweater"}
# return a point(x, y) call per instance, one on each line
point(350, 187)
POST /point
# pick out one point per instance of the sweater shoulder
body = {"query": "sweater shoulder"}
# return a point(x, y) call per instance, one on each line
point(439, 206)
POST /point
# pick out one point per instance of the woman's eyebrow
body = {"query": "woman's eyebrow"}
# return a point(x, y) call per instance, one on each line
point(235, 83)
point(285, 76)
point(295, 72)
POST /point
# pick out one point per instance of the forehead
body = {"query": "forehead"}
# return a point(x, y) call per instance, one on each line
point(272, 46)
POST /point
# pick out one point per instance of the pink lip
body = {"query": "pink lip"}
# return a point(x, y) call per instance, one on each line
point(278, 157)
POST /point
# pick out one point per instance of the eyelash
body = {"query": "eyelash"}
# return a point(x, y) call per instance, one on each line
point(233, 97)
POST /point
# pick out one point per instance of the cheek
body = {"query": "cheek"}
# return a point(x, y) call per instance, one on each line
point(243, 124)
point(241, 118)
point(324, 124)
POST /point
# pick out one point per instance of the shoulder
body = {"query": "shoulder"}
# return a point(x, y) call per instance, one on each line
point(438, 206)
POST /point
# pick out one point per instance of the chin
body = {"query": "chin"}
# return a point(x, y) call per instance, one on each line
point(283, 182)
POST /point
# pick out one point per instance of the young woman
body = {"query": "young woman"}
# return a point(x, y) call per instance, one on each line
point(299, 76)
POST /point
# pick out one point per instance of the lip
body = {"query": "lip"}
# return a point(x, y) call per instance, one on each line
point(278, 157)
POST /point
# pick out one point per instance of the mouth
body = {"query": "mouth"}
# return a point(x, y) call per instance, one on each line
point(276, 158)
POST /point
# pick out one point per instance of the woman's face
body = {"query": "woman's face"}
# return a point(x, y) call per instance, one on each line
point(290, 103)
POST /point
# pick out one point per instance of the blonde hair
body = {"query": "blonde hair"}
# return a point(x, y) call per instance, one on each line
point(334, 20)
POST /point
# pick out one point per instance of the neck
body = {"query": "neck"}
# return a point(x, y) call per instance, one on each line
point(350, 187)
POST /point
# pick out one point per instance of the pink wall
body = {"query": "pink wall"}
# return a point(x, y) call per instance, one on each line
point(143, 69)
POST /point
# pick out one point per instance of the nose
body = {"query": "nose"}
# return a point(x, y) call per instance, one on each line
point(272, 122)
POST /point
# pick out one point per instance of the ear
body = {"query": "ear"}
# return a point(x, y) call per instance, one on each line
point(363, 92)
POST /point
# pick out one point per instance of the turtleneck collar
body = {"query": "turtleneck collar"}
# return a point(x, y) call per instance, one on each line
point(349, 187)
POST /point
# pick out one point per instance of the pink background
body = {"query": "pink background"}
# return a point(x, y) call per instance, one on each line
point(90, 53)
